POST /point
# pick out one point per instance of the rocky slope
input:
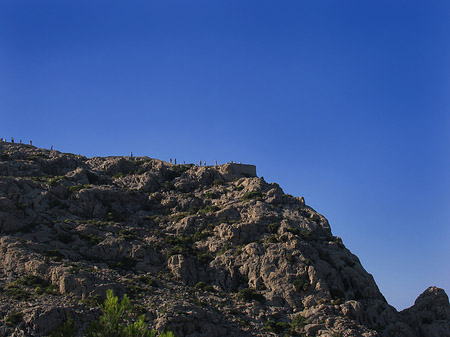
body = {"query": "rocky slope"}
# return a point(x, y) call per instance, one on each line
point(202, 251)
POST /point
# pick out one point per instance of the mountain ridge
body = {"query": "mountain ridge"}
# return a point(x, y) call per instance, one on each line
point(202, 251)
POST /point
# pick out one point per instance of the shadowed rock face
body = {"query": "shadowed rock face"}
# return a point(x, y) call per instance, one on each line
point(429, 316)
point(202, 251)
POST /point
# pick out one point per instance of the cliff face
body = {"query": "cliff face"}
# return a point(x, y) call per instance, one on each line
point(202, 251)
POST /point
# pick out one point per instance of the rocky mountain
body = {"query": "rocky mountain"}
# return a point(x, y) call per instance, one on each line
point(200, 250)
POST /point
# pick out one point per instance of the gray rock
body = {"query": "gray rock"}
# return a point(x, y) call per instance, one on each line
point(202, 251)
point(183, 269)
point(430, 314)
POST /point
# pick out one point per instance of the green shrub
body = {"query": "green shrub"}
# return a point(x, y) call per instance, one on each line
point(177, 250)
point(16, 292)
point(177, 217)
point(91, 239)
point(167, 334)
point(200, 285)
point(67, 329)
point(77, 188)
point(199, 303)
point(203, 286)
point(119, 320)
point(125, 263)
point(178, 240)
point(300, 284)
point(222, 250)
point(135, 290)
point(209, 288)
point(290, 258)
point(272, 239)
point(53, 181)
point(210, 195)
point(252, 195)
point(306, 235)
point(114, 320)
point(21, 206)
point(273, 227)
point(298, 323)
point(209, 209)
point(55, 255)
point(92, 301)
point(276, 327)
point(127, 235)
point(204, 257)
point(238, 250)
point(168, 186)
point(32, 281)
point(13, 318)
point(113, 215)
point(337, 301)
point(218, 182)
point(48, 290)
point(139, 171)
point(176, 171)
point(249, 295)
point(198, 236)
point(293, 230)
point(244, 323)
point(148, 280)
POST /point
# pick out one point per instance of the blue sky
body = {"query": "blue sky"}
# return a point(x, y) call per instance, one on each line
point(343, 102)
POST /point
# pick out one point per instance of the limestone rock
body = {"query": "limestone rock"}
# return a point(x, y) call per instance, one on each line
point(430, 314)
point(200, 250)
point(183, 269)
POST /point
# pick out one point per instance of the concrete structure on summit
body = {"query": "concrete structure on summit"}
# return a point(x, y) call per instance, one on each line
point(232, 170)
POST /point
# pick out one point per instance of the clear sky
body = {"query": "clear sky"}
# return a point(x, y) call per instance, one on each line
point(346, 103)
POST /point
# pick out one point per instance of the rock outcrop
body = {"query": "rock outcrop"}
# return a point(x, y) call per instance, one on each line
point(201, 250)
